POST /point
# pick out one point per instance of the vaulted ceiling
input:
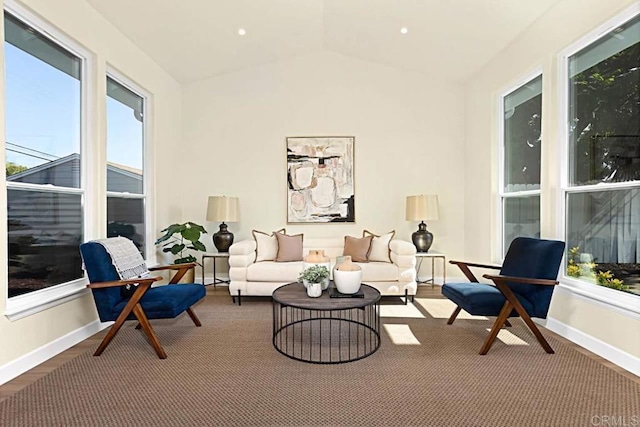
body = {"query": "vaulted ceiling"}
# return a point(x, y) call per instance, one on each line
point(195, 39)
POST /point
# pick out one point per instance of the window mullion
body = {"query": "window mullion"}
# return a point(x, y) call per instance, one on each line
point(47, 188)
point(520, 194)
point(125, 195)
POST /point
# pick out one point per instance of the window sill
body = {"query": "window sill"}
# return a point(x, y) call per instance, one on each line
point(26, 305)
point(621, 302)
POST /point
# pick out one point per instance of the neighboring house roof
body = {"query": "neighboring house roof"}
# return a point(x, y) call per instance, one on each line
point(44, 166)
point(111, 166)
point(117, 167)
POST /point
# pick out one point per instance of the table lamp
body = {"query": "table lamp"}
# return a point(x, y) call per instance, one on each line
point(422, 208)
point(225, 209)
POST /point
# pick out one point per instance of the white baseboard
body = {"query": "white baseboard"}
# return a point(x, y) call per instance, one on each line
point(615, 355)
point(32, 359)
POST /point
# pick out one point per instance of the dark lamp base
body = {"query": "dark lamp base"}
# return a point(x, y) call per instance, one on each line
point(422, 239)
point(223, 238)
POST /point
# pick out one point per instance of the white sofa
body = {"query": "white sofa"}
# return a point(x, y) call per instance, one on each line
point(250, 278)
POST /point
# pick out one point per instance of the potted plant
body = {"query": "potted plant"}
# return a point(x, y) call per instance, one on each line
point(179, 238)
point(314, 279)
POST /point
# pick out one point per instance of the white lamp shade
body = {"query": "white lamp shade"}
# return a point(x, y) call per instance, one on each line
point(223, 208)
point(422, 207)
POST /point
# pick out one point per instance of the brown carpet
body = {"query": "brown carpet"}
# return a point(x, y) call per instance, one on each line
point(228, 373)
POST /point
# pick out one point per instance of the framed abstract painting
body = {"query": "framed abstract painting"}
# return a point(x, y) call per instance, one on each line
point(320, 179)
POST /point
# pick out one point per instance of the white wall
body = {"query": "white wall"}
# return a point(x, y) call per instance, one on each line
point(78, 20)
point(408, 131)
point(538, 46)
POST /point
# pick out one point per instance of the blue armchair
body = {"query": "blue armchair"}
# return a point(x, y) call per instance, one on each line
point(523, 287)
point(162, 302)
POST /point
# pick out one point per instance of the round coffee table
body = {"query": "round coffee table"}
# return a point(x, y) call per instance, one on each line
point(324, 329)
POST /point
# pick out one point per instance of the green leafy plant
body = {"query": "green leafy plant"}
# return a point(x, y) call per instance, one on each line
point(314, 274)
point(573, 269)
point(178, 238)
point(606, 279)
point(12, 168)
point(589, 271)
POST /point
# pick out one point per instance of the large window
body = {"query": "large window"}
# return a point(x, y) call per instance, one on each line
point(43, 159)
point(602, 190)
point(125, 163)
point(521, 141)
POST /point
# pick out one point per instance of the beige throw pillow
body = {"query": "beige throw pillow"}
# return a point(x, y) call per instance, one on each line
point(266, 245)
point(357, 249)
point(289, 247)
point(380, 251)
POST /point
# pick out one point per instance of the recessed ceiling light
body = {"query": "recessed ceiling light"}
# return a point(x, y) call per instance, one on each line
point(404, 30)
point(242, 31)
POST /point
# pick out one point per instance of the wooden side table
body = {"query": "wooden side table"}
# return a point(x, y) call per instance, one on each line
point(215, 256)
point(420, 256)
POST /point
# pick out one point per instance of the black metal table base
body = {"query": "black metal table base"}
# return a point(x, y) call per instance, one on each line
point(326, 336)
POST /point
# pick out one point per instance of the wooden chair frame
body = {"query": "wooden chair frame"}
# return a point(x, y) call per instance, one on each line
point(511, 303)
point(133, 306)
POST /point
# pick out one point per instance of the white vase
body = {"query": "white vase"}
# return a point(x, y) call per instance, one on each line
point(314, 290)
point(347, 282)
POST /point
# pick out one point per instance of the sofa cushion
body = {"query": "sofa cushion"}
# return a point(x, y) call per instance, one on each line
point(379, 246)
point(289, 247)
point(357, 248)
point(378, 272)
point(269, 271)
point(266, 245)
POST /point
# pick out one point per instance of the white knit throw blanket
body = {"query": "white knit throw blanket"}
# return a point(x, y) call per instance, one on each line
point(125, 257)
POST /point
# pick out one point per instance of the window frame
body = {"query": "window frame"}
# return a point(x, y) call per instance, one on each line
point(147, 164)
point(24, 305)
point(501, 193)
point(622, 302)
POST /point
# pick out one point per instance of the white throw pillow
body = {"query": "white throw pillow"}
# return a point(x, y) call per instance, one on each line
point(266, 245)
point(379, 246)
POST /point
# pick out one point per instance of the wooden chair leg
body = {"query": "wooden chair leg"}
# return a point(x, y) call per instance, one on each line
point(508, 293)
point(543, 342)
point(148, 330)
point(454, 315)
point(126, 311)
point(497, 325)
point(193, 316)
point(112, 333)
point(536, 332)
